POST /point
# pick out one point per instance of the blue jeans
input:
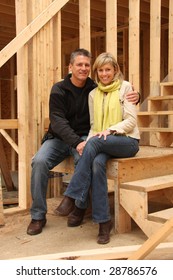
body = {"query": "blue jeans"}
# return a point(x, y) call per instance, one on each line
point(91, 171)
point(52, 152)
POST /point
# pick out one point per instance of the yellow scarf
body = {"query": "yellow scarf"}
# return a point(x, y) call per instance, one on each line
point(107, 109)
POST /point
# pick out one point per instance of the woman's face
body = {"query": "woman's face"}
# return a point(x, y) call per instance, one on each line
point(106, 73)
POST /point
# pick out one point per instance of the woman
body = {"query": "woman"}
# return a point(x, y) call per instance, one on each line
point(113, 134)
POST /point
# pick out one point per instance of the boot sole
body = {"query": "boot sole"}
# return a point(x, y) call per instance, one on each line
point(73, 224)
point(59, 213)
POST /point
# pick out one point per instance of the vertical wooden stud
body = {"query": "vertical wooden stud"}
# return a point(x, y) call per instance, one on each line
point(170, 52)
point(134, 43)
point(23, 104)
point(111, 27)
point(84, 24)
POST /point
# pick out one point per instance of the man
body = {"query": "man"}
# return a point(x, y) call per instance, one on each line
point(69, 127)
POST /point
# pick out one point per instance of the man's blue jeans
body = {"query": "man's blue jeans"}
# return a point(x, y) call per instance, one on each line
point(52, 152)
point(91, 171)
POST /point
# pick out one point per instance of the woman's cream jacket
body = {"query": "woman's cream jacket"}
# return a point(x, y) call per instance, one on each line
point(128, 126)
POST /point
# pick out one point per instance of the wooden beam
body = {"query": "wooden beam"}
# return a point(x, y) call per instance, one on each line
point(170, 42)
point(111, 27)
point(57, 48)
point(2, 222)
point(23, 106)
point(155, 33)
point(9, 123)
point(155, 59)
point(113, 253)
point(153, 241)
point(35, 52)
point(29, 31)
point(84, 24)
point(9, 139)
point(5, 169)
point(134, 42)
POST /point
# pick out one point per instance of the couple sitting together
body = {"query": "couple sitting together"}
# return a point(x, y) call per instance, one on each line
point(93, 121)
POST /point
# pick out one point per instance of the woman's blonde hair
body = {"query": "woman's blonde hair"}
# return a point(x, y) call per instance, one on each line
point(105, 58)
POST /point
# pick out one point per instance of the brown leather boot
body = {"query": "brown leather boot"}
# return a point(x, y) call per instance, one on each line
point(36, 226)
point(65, 207)
point(75, 218)
point(104, 232)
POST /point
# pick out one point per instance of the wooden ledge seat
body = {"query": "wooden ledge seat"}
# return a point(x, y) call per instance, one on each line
point(131, 180)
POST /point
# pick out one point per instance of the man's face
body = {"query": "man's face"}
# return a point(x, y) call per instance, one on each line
point(80, 69)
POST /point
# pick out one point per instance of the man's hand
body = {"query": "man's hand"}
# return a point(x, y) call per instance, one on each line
point(80, 147)
point(133, 96)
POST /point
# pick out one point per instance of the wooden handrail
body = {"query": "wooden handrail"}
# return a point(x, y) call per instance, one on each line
point(27, 33)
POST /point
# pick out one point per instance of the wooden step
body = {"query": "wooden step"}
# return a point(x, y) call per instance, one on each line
point(160, 97)
point(161, 216)
point(149, 184)
point(156, 129)
point(167, 84)
point(154, 113)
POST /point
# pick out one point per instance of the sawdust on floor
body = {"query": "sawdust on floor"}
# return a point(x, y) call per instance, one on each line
point(56, 236)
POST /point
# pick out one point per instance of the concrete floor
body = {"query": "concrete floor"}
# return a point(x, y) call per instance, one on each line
point(58, 238)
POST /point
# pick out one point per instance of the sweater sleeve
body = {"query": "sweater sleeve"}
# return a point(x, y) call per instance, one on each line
point(59, 123)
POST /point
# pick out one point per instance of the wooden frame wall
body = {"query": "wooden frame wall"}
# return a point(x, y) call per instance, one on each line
point(39, 51)
point(170, 40)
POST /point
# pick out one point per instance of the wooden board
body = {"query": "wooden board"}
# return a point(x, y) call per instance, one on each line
point(150, 184)
point(114, 253)
point(153, 241)
point(4, 168)
point(1, 207)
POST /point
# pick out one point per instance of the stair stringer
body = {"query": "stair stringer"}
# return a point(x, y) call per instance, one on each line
point(136, 205)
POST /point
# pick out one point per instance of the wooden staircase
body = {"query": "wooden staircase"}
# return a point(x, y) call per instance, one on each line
point(137, 196)
point(150, 182)
point(158, 120)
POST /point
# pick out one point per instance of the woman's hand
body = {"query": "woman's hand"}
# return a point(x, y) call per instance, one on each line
point(104, 133)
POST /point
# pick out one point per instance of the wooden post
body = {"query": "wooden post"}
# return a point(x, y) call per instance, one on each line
point(5, 169)
point(170, 52)
point(1, 205)
point(23, 105)
point(155, 33)
point(57, 48)
point(111, 27)
point(155, 27)
point(134, 12)
point(27, 33)
point(84, 24)
point(153, 241)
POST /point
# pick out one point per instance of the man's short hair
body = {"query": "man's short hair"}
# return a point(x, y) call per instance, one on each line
point(79, 52)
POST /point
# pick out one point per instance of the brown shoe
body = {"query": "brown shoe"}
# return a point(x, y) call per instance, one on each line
point(36, 226)
point(104, 232)
point(76, 217)
point(65, 207)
